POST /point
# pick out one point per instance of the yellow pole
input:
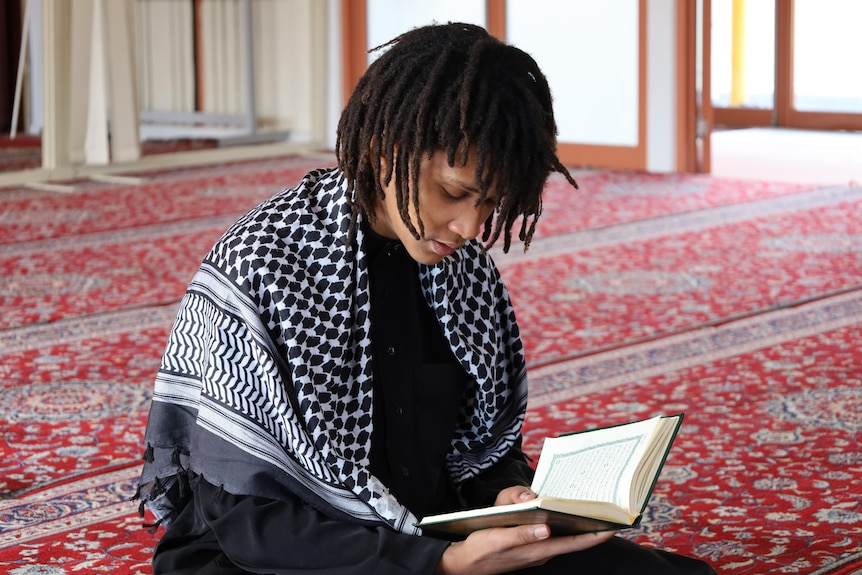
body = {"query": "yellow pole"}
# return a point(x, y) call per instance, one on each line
point(737, 56)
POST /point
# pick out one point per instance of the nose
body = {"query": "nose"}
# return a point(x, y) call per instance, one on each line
point(468, 222)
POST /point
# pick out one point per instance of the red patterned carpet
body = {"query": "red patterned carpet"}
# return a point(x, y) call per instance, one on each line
point(766, 473)
point(682, 271)
point(736, 302)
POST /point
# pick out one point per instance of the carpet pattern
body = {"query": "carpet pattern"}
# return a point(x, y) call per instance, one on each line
point(639, 287)
point(173, 196)
point(736, 302)
point(606, 198)
point(766, 472)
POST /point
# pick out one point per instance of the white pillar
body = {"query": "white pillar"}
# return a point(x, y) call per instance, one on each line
point(56, 43)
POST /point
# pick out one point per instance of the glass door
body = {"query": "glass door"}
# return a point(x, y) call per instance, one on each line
point(822, 86)
point(789, 63)
point(743, 62)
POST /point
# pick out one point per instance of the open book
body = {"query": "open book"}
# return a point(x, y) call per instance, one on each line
point(597, 480)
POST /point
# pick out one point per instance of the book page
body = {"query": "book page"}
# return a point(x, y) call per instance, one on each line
point(642, 482)
point(593, 466)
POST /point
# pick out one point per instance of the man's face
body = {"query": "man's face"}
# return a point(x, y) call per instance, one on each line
point(447, 204)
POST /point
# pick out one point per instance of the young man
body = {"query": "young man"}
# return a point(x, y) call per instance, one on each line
point(347, 359)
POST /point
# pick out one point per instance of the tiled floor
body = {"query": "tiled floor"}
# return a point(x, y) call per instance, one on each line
point(781, 154)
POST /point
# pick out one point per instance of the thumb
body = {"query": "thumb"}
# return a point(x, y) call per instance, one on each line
point(533, 533)
point(526, 495)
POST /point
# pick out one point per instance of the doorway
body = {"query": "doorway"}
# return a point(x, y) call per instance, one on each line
point(786, 104)
point(10, 40)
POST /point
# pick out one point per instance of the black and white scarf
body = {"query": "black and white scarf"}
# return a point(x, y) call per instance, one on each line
point(266, 381)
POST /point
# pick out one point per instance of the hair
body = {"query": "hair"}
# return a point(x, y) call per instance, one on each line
point(454, 88)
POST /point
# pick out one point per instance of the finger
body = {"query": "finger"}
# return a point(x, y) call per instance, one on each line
point(581, 542)
point(514, 494)
point(527, 534)
point(526, 495)
point(591, 539)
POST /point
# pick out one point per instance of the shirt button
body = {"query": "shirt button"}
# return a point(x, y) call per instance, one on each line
point(390, 350)
point(399, 410)
point(405, 472)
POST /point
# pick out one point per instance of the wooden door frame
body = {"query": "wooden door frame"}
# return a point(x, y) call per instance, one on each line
point(686, 87)
point(694, 114)
point(496, 17)
point(354, 30)
point(354, 45)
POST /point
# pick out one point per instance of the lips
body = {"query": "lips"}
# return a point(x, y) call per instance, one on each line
point(442, 249)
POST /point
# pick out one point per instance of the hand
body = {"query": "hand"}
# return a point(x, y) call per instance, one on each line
point(515, 494)
point(505, 549)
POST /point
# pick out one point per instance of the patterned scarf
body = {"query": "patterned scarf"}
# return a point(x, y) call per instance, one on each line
point(265, 387)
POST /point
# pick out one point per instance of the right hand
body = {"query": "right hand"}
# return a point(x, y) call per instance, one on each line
point(505, 549)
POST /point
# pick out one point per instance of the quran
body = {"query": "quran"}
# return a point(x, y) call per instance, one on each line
point(588, 481)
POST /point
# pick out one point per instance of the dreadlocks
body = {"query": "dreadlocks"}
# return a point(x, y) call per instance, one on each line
point(452, 87)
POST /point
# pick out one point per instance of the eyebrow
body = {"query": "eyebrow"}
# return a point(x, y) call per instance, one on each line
point(463, 184)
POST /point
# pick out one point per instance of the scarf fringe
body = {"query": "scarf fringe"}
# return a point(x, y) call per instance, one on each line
point(171, 487)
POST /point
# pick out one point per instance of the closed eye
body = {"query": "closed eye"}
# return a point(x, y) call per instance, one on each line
point(454, 197)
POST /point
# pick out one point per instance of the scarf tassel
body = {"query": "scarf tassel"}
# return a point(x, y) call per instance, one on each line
point(152, 527)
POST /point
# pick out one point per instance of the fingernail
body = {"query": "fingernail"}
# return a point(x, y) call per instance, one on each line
point(541, 531)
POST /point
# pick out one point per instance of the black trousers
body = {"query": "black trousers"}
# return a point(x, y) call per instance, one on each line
point(222, 534)
point(619, 556)
point(615, 557)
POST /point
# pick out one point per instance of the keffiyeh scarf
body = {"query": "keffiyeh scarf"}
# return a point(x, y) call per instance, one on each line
point(265, 387)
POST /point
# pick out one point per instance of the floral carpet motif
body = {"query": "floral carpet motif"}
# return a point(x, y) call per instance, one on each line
point(735, 302)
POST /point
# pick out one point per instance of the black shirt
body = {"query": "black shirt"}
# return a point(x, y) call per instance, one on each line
point(418, 384)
